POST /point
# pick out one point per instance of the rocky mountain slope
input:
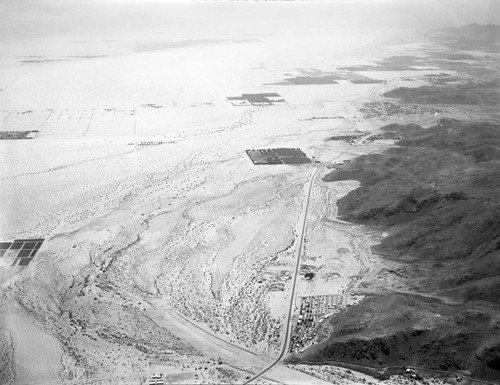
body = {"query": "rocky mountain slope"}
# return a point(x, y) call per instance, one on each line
point(437, 195)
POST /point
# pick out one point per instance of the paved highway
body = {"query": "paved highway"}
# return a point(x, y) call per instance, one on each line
point(295, 279)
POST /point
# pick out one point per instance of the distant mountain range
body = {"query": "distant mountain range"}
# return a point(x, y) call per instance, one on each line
point(478, 34)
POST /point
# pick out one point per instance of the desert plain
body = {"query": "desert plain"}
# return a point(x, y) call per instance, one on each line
point(165, 248)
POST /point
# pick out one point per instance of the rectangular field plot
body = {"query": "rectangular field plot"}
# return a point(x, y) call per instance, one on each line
point(111, 122)
point(24, 261)
point(20, 252)
point(264, 99)
point(29, 245)
point(24, 253)
point(278, 156)
point(16, 245)
point(263, 157)
point(66, 123)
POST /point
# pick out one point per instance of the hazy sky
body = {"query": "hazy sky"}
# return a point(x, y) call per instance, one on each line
point(31, 18)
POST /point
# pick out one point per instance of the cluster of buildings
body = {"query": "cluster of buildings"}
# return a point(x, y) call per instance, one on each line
point(384, 136)
point(351, 138)
point(155, 379)
point(276, 282)
point(382, 109)
point(313, 310)
point(152, 143)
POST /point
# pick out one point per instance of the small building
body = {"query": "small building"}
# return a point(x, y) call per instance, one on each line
point(156, 379)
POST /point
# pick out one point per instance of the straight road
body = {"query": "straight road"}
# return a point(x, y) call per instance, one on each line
point(295, 279)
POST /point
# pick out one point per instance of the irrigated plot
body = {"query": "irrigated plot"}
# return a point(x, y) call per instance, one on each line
point(263, 156)
point(23, 253)
point(278, 156)
point(263, 99)
point(24, 261)
point(20, 252)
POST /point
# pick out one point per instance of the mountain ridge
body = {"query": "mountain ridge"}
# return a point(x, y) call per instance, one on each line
point(437, 195)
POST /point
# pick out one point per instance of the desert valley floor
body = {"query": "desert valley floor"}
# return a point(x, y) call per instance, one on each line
point(165, 248)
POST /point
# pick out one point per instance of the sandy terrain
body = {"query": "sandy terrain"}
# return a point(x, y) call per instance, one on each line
point(33, 365)
point(166, 249)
